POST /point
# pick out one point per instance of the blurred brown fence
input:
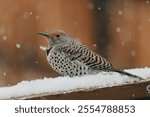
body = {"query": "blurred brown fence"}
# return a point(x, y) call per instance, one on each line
point(117, 29)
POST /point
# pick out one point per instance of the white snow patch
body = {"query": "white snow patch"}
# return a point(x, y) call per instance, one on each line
point(67, 84)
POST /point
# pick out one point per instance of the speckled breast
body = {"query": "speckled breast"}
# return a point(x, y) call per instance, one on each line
point(64, 66)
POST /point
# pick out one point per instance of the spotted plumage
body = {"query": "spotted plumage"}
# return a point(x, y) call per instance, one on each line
point(71, 58)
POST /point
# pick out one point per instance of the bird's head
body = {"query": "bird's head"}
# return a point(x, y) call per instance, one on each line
point(55, 37)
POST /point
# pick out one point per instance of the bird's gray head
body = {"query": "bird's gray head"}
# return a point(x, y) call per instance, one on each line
point(55, 37)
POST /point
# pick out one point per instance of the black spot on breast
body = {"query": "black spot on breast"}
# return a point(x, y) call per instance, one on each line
point(66, 69)
point(48, 50)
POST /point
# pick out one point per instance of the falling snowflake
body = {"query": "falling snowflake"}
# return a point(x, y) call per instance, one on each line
point(2, 30)
point(18, 45)
point(133, 95)
point(37, 62)
point(43, 48)
point(94, 45)
point(99, 8)
point(27, 14)
point(147, 1)
point(75, 23)
point(118, 29)
point(37, 17)
point(30, 13)
point(119, 12)
point(133, 53)
point(4, 37)
point(90, 6)
point(111, 18)
point(140, 28)
point(122, 43)
point(4, 74)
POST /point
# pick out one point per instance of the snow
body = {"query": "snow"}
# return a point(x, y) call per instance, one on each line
point(118, 29)
point(94, 45)
point(122, 43)
point(140, 28)
point(18, 45)
point(99, 8)
point(27, 14)
point(4, 37)
point(66, 84)
point(37, 17)
point(133, 53)
point(119, 12)
point(4, 74)
point(37, 62)
point(90, 6)
point(43, 48)
point(2, 31)
point(147, 1)
point(30, 13)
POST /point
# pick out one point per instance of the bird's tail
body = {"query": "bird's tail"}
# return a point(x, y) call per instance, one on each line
point(126, 73)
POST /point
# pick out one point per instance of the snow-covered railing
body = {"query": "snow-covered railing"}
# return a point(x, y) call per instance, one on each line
point(100, 86)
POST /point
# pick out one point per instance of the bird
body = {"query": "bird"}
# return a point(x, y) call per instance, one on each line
point(70, 57)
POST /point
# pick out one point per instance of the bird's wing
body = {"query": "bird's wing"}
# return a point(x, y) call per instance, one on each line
point(77, 51)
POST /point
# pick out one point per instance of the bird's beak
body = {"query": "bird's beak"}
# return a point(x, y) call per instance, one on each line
point(43, 34)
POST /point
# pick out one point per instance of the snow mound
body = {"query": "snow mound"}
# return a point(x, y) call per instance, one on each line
point(66, 84)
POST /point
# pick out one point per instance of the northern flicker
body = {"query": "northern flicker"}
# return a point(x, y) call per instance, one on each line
point(71, 58)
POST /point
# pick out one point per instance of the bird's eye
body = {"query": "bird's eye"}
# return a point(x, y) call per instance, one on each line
point(57, 35)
